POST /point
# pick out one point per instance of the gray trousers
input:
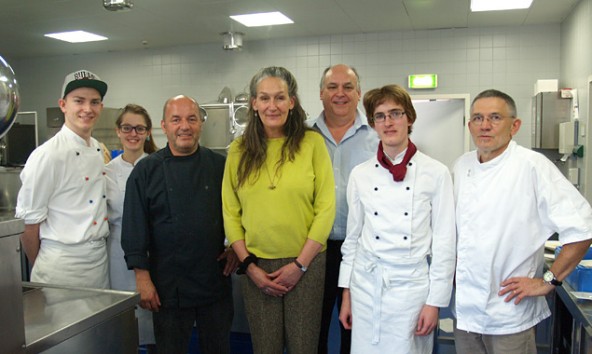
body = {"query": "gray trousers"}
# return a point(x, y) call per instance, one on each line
point(475, 343)
point(291, 322)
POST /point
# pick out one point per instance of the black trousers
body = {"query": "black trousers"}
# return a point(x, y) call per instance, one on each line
point(173, 326)
point(332, 293)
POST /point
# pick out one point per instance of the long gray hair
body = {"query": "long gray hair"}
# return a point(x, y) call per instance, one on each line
point(253, 143)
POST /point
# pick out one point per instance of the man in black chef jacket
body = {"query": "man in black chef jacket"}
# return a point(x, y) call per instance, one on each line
point(173, 236)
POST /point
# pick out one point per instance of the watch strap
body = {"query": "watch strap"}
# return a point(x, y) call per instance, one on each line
point(242, 268)
point(299, 265)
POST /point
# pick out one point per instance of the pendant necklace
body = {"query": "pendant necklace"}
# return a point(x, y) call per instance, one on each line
point(272, 183)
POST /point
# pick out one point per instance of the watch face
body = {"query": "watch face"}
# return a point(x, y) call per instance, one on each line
point(548, 276)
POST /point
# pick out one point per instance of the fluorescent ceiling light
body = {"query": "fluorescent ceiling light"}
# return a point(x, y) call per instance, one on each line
point(76, 36)
point(262, 19)
point(495, 5)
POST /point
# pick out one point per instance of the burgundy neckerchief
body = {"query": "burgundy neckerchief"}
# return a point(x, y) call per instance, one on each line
point(399, 170)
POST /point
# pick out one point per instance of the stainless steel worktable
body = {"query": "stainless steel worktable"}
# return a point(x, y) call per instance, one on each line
point(581, 310)
point(56, 318)
point(571, 321)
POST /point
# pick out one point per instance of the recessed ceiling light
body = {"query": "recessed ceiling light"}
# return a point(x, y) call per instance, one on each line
point(495, 5)
point(76, 36)
point(262, 19)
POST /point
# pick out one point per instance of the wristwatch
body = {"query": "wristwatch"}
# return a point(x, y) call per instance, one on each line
point(242, 267)
point(299, 265)
point(550, 278)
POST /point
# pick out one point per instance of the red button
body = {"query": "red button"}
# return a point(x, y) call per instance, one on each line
point(86, 178)
point(94, 222)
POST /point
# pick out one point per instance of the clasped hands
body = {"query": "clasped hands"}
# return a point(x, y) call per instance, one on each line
point(278, 283)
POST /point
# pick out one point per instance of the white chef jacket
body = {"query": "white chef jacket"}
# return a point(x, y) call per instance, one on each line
point(506, 209)
point(398, 225)
point(117, 172)
point(63, 190)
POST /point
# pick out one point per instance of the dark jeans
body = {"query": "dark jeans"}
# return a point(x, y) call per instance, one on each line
point(332, 293)
point(173, 326)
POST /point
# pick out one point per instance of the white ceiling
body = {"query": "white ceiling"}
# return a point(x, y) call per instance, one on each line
point(162, 23)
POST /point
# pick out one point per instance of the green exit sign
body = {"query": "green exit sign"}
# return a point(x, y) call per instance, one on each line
point(423, 81)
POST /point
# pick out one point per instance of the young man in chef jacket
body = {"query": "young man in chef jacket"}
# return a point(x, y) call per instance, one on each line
point(509, 200)
point(62, 198)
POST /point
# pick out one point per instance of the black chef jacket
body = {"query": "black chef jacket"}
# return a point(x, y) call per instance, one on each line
point(172, 226)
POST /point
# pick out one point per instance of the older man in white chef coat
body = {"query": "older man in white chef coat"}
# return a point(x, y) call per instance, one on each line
point(62, 198)
point(509, 200)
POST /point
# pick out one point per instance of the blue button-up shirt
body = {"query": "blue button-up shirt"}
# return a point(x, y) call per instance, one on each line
point(359, 144)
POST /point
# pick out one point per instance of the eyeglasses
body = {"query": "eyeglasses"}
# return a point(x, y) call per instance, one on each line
point(140, 129)
point(394, 114)
point(494, 119)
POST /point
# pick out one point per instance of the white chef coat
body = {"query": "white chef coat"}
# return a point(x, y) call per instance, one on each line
point(118, 170)
point(63, 190)
point(392, 229)
point(506, 209)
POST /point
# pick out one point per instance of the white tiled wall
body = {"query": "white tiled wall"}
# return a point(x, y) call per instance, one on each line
point(466, 61)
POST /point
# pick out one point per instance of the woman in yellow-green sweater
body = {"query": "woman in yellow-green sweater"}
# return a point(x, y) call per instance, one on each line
point(278, 197)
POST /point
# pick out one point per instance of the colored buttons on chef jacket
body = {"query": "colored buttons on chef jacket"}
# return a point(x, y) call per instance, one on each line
point(377, 237)
point(407, 188)
point(404, 237)
point(410, 163)
point(90, 201)
point(86, 178)
point(375, 213)
point(375, 188)
point(77, 153)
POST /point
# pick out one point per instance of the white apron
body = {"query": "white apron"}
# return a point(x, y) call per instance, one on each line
point(386, 301)
point(80, 265)
point(120, 277)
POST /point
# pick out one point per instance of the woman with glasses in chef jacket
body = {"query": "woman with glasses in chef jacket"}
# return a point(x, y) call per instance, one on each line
point(399, 251)
point(134, 128)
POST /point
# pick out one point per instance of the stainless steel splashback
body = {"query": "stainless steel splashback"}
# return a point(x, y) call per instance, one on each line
point(10, 184)
point(223, 125)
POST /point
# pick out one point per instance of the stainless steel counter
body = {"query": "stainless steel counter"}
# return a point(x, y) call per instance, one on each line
point(11, 306)
point(571, 321)
point(58, 319)
point(581, 310)
point(61, 319)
